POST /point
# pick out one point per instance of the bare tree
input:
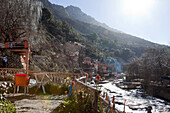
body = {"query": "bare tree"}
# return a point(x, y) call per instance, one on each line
point(154, 64)
point(14, 19)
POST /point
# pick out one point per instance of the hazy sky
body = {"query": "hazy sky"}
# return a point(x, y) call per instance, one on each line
point(148, 19)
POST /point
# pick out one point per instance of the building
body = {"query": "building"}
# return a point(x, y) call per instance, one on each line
point(102, 67)
point(87, 60)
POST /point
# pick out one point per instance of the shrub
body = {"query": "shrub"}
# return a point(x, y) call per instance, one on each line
point(75, 104)
point(50, 88)
point(5, 106)
point(64, 87)
point(6, 78)
point(55, 89)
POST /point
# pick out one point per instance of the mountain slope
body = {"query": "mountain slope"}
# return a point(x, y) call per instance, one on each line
point(76, 13)
point(101, 40)
point(86, 24)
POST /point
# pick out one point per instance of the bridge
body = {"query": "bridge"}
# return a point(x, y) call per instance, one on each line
point(93, 95)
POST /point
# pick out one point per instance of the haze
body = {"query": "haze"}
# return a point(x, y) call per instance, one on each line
point(147, 19)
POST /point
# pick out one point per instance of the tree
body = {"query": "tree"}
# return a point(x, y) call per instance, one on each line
point(127, 53)
point(93, 37)
point(15, 17)
point(154, 64)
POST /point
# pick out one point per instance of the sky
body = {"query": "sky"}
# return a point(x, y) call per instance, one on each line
point(147, 19)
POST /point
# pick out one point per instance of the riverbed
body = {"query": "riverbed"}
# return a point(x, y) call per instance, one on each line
point(136, 103)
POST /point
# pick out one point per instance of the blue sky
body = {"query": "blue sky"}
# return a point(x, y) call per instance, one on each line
point(147, 19)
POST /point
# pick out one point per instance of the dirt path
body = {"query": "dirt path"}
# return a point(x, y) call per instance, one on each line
point(35, 104)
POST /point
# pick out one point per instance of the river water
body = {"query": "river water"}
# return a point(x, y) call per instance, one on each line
point(135, 102)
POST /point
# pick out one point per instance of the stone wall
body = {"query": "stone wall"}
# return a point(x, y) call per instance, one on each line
point(158, 91)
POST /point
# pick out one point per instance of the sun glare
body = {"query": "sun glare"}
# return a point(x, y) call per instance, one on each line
point(137, 7)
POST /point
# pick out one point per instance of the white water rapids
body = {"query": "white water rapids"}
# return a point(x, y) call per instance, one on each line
point(135, 102)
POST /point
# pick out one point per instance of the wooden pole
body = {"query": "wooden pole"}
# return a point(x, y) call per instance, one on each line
point(113, 101)
point(124, 106)
point(27, 60)
point(96, 102)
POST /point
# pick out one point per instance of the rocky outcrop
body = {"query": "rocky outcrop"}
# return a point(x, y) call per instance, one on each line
point(13, 59)
point(76, 13)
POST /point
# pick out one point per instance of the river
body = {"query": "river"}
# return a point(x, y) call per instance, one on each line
point(135, 102)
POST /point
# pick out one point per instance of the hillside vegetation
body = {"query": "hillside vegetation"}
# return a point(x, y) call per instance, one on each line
point(98, 38)
point(56, 35)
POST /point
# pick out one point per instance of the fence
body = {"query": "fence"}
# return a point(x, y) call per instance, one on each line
point(92, 94)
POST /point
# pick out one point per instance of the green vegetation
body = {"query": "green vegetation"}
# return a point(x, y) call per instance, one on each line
point(94, 41)
point(6, 107)
point(64, 32)
point(97, 39)
point(60, 29)
point(75, 104)
point(152, 65)
point(56, 89)
point(51, 89)
point(6, 78)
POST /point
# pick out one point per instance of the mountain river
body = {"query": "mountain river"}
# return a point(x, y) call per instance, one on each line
point(135, 102)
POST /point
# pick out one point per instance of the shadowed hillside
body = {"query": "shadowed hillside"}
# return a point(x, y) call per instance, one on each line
point(101, 38)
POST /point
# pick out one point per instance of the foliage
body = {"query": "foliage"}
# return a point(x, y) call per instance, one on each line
point(51, 89)
point(93, 37)
point(152, 65)
point(60, 29)
point(75, 104)
point(112, 43)
point(6, 78)
point(55, 89)
point(94, 40)
point(6, 107)
point(127, 53)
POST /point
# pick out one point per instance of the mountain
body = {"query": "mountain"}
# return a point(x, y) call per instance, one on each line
point(57, 37)
point(86, 24)
point(48, 37)
point(118, 41)
point(76, 13)
point(109, 42)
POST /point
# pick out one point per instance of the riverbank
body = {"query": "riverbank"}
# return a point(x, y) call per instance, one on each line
point(135, 102)
point(158, 91)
